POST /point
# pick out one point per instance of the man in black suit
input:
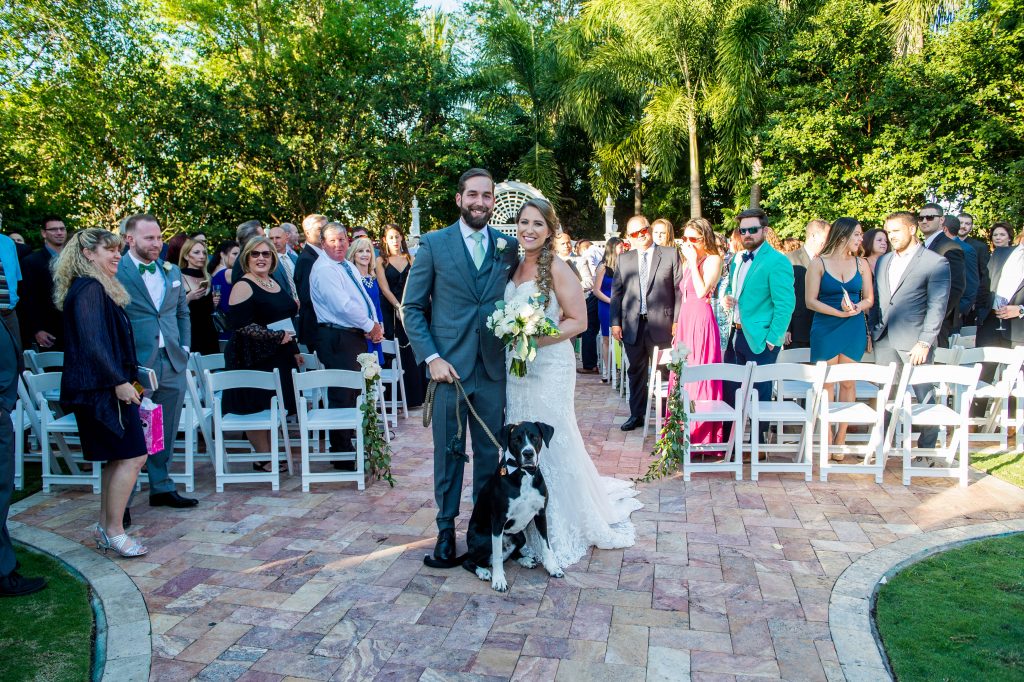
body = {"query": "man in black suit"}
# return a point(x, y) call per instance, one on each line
point(307, 329)
point(644, 308)
point(983, 303)
point(41, 323)
point(935, 239)
point(972, 274)
point(816, 233)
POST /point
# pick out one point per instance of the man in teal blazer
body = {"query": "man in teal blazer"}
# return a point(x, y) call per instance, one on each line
point(761, 296)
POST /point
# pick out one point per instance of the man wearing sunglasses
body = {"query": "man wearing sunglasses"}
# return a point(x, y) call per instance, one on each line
point(645, 305)
point(935, 239)
point(761, 296)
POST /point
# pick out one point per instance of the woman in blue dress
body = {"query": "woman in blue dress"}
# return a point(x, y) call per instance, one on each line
point(360, 254)
point(603, 279)
point(839, 291)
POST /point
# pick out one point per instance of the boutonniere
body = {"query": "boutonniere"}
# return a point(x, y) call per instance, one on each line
point(501, 244)
point(167, 266)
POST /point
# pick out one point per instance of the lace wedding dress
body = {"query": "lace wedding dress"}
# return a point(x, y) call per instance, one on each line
point(584, 509)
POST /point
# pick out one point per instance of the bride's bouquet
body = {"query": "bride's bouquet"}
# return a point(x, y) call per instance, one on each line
point(518, 324)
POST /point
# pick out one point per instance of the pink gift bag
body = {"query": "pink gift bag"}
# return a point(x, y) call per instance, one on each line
point(152, 416)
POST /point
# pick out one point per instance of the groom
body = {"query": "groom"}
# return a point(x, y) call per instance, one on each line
point(458, 275)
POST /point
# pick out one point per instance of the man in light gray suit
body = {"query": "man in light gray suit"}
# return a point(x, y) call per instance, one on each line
point(459, 274)
point(911, 292)
point(158, 313)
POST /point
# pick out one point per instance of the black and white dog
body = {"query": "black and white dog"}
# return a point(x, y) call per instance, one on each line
point(510, 507)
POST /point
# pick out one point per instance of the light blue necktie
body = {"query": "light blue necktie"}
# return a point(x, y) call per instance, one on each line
point(478, 249)
point(359, 285)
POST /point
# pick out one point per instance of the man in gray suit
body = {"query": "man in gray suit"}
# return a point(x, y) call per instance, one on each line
point(158, 313)
point(459, 274)
point(912, 287)
point(12, 583)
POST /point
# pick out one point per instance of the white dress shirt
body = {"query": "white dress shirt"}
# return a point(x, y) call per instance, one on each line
point(741, 275)
point(154, 282)
point(898, 264)
point(930, 238)
point(340, 299)
point(285, 262)
point(470, 243)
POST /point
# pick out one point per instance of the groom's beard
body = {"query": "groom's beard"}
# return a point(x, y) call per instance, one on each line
point(476, 222)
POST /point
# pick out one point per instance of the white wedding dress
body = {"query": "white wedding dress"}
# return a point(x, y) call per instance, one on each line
point(584, 509)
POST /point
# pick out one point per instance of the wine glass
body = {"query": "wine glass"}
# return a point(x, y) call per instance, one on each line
point(1000, 302)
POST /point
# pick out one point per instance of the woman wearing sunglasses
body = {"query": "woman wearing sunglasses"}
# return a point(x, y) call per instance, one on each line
point(256, 302)
point(696, 325)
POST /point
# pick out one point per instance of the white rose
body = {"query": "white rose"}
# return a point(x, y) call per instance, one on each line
point(371, 372)
point(501, 243)
point(531, 327)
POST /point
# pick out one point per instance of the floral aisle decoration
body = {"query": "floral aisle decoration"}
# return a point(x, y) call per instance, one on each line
point(674, 439)
point(376, 449)
point(518, 325)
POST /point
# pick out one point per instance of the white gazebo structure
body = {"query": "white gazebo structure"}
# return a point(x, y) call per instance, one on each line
point(509, 197)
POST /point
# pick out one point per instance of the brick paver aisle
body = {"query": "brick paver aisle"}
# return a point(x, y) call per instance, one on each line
point(728, 581)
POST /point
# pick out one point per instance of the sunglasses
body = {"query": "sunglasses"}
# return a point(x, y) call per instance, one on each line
point(260, 254)
point(927, 217)
point(749, 230)
point(693, 240)
point(639, 233)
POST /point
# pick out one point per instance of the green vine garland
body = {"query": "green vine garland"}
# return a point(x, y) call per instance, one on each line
point(674, 440)
point(376, 449)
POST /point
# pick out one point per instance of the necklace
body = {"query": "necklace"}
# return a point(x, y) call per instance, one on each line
point(368, 280)
point(267, 284)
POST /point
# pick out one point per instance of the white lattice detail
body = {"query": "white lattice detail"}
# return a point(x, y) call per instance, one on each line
point(509, 197)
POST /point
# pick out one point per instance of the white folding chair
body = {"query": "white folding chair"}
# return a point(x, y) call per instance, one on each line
point(716, 411)
point(393, 377)
point(881, 379)
point(995, 424)
point(270, 419)
point(56, 428)
point(21, 423)
point(947, 382)
point(203, 363)
point(792, 389)
point(315, 419)
point(39, 362)
point(623, 379)
point(781, 411)
point(657, 389)
point(195, 418)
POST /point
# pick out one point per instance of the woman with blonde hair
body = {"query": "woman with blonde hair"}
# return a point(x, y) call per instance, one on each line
point(360, 254)
point(663, 233)
point(393, 267)
point(99, 371)
point(201, 302)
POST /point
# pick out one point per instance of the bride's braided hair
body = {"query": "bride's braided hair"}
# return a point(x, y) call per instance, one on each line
point(547, 211)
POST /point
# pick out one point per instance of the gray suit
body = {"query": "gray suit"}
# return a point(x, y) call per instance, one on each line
point(169, 362)
point(445, 309)
point(910, 311)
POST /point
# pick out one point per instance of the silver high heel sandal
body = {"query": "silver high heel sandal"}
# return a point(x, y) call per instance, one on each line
point(123, 544)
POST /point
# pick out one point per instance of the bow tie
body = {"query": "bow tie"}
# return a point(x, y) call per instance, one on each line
point(747, 256)
point(151, 268)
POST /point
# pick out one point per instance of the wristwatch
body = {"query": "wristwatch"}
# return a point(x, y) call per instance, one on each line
point(1020, 311)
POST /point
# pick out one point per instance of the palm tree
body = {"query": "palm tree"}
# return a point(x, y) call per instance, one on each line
point(909, 20)
point(660, 72)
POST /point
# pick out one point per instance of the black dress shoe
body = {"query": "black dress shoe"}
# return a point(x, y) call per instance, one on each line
point(444, 550)
point(126, 518)
point(631, 423)
point(16, 585)
point(171, 499)
point(344, 465)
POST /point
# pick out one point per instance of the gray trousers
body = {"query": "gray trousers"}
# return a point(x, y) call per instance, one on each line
point(171, 395)
point(884, 354)
point(488, 399)
point(6, 489)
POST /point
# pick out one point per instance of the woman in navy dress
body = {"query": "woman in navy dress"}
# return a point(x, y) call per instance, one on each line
point(392, 270)
point(839, 290)
point(603, 277)
point(362, 256)
point(100, 369)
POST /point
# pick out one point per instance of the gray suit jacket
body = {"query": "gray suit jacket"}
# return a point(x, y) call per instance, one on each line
point(913, 309)
point(147, 322)
point(443, 286)
point(663, 300)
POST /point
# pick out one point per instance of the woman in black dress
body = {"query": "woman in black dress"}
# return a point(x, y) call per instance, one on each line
point(200, 299)
point(99, 370)
point(257, 301)
point(392, 272)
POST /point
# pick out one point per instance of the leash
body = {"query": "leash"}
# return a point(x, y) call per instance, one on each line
point(455, 447)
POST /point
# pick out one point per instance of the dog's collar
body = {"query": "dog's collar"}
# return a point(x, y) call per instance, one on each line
point(508, 468)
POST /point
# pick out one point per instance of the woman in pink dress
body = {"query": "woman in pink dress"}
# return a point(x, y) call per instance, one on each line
point(697, 327)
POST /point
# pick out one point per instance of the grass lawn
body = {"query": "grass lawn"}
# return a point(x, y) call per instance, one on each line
point(1008, 466)
point(957, 615)
point(48, 635)
point(33, 482)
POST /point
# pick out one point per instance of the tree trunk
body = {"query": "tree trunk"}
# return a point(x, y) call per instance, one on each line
point(695, 205)
point(755, 187)
point(638, 197)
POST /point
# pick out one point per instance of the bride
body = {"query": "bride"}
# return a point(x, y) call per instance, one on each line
point(584, 509)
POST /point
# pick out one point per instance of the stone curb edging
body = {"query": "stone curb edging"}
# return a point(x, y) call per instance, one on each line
point(850, 607)
point(128, 645)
